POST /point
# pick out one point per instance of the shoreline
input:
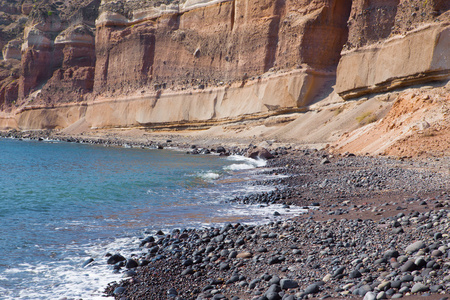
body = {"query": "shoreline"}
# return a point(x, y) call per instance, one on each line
point(114, 141)
point(368, 212)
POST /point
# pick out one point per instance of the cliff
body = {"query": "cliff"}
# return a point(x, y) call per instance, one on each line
point(180, 64)
point(175, 64)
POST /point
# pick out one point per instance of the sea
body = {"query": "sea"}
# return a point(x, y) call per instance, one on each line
point(62, 204)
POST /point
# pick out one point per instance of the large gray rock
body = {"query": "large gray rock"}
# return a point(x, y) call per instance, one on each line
point(419, 287)
point(416, 246)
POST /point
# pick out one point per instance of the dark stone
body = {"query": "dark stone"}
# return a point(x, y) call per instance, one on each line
point(273, 296)
point(420, 263)
point(219, 238)
point(233, 279)
point(253, 283)
point(207, 287)
point(87, 262)
point(274, 280)
point(408, 266)
point(216, 281)
point(396, 284)
point(188, 262)
point(129, 273)
point(260, 153)
point(430, 264)
point(119, 290)
point(354, 274)
point(380, 261)
point(407, 278)
point(274, 288)
point(398, 230)
point(288, 284)
point(172, 292)
point(338, 271)
point(312, 289)
point(274, 260)
point(131, 263)
point(436, 253)
point(240, 242)
point(224, 266)
point(391, 253)
point(143, 262)
point(149, 239)
point(153, 249)
point(221, 149)
point(115, 259)
point(390, 292)
point(267, 277)
point(436, 288)
point(188, 271)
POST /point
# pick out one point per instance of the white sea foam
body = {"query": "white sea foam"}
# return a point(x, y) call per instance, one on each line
point(66, 278)
point(266, 210)
point(255, 213)
point(254, 162)
point(245, 163)
point(238, 167)
point(209, 176)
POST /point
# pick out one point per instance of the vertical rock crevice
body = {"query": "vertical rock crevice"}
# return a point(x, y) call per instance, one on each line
point(232, 15)
point(325, 36)
point(273, 34)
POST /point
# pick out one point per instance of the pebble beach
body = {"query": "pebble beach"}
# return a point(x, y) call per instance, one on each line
point(376, 228)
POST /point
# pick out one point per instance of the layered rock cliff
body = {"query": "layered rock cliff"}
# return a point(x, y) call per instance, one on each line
point(394, 44)
point(164, 64)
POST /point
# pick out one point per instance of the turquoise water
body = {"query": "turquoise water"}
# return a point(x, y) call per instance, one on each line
point(62, 203)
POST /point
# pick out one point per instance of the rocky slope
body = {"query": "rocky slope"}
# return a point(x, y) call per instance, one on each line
point(177, 64)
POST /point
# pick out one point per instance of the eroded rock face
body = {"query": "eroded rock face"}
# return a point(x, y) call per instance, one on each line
point(58, 53)
point(394, 43)
point(75, 77)
point(220, 43)
point(12, 50)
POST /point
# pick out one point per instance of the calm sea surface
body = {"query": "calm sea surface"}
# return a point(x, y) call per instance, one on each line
point(63, 203)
